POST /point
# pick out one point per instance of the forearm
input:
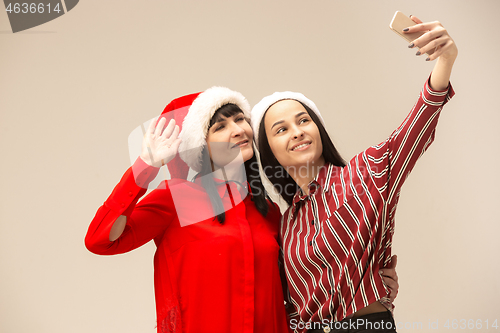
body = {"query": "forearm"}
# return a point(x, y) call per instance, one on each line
point(110, 220)
point(391, 161)
point(440, 76)
point(117, 228)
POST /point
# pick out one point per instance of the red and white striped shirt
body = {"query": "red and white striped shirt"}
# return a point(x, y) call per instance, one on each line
point(336, 239)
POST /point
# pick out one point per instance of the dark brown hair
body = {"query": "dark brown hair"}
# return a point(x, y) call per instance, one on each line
point(277, 174)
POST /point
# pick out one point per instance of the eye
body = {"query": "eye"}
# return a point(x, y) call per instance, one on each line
point(280, 130)
point(218, 127)
point(241, 118)
point(303, 120)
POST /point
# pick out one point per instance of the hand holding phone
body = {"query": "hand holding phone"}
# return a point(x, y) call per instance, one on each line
point(399, 22)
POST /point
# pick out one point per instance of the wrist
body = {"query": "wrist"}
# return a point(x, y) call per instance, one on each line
point(449, 56)
point(448, 59)
point(147, 159)
point(143, 172)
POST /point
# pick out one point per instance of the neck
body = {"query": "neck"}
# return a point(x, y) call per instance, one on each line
point(304, 174)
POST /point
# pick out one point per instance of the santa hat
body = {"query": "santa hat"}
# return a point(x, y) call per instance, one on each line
point(196, 122)
point(177, 110)
point(260, 109)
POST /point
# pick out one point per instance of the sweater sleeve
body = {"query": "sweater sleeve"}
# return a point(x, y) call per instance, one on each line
point(145, 220)
point(391, 161)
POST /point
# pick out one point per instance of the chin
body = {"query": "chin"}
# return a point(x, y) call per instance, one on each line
point(247, 155)
point(304, 160)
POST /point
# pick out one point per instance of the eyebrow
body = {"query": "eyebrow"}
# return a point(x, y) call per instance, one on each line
point(224, 118)
point(282, 121)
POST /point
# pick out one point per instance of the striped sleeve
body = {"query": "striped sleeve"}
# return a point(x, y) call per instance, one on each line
point(390, 162)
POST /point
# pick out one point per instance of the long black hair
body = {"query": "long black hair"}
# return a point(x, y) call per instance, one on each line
point(257, 191)
point(277, 174)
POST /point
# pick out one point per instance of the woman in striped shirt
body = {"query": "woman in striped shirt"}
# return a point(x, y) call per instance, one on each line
point(337, 231)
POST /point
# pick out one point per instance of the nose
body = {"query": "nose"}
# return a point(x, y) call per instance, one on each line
point(236, 130)
point(297, 132)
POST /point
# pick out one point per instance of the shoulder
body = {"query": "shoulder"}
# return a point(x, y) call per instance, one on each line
point(172, 187)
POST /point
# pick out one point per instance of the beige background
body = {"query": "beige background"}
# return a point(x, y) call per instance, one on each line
point(73, 89)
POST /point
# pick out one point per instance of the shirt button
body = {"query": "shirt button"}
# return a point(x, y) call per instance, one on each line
point(323, 265)
point(327, 329)
point(130, 194)
point(310, 243)
point(123, 205)
point(312, 222)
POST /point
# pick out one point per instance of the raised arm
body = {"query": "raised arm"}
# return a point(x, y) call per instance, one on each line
point(158, 148)
point(436, 37)
point(119, 210)
point(391, 161)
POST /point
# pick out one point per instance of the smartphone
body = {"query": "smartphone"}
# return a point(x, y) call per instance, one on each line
point(401, 21)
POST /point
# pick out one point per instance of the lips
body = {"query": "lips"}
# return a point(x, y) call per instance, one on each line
point(301, 145)
point(240, 143)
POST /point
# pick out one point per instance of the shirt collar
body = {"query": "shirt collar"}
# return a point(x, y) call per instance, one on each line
point(320, 182)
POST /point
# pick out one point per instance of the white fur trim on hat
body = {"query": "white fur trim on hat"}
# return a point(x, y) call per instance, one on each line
point(195, 125)
point(260, 109)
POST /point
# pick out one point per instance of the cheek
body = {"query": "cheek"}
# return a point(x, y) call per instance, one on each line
point(278, 147)
point(272, 144)
point(249, 132)
point(318, 139)
point(219, 136)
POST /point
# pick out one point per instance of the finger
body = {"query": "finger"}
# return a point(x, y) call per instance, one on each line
point(176, 144)
point(389, 273)
point(439, 51)
point(434, 55)
point(423, 27)
point(167, 133)
point(429, 36)
point(394, 261)
point(171, 139)
point(434, 45)
point(152, 124)
point(415, 19)
point(391, 283)
point(159, 127)
point(171, 151)
point(175, 133)
point(393, 287)
point(393, 294)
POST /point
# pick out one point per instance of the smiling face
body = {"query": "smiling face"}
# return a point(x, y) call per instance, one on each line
point(227, 136)
point(293, 136)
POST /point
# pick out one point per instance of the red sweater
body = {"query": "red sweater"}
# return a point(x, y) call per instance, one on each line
point(209, 277)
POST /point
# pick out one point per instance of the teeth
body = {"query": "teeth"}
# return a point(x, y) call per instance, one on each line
point(302, 145)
